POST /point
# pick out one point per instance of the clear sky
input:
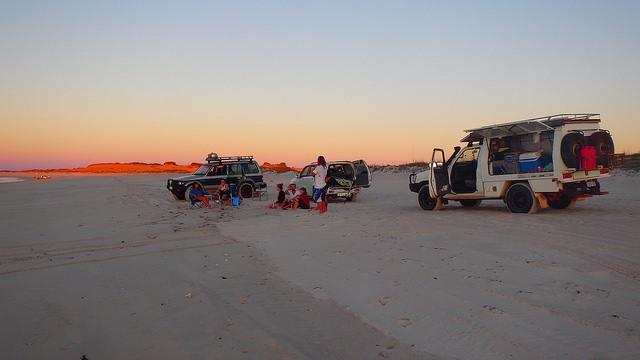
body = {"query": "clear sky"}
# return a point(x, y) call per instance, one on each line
point(91, 81)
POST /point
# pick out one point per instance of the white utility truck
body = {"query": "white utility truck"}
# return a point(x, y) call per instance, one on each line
point(543, 162)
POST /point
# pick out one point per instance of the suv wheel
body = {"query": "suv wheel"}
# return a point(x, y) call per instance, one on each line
point(521, 199)
point(246, 190)
point(470, 203)
point(425, 200)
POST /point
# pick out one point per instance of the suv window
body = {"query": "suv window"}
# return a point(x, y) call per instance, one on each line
point(307, 170)
point(235, 169)
point(340, 171)
point(202, 170)
point(217, 171)
point(251, 168)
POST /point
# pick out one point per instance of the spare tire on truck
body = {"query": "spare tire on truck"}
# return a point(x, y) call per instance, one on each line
point(603, 143)
point(572, 143)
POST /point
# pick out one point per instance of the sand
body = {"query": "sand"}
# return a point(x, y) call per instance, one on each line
point(113, 267)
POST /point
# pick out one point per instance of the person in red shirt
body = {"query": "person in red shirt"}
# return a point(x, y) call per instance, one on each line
point(302, 200)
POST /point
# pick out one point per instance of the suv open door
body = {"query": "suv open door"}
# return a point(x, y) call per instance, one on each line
point(363, 174)
point(439, 173)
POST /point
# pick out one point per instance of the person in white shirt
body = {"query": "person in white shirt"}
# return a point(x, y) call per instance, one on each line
point(320, 184)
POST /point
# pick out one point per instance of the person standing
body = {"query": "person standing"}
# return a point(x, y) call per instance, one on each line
point(320, 184)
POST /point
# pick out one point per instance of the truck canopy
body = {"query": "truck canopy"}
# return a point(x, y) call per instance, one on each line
point(528, 126)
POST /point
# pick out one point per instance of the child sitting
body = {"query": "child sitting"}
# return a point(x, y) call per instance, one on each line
point(281, 198)
point(302, 200)
point(290, 195)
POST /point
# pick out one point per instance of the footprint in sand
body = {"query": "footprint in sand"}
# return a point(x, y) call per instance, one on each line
point(492, 309)
point(384, 300)
point(319, 293)
point(404, 322)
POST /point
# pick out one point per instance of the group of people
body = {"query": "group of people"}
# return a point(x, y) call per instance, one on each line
point(197, 193)
point(293, 198)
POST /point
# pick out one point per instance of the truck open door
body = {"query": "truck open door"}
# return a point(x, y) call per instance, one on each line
point(439, 173)
point(363, 174)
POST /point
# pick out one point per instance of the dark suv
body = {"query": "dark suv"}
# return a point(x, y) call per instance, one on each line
point(241, 171)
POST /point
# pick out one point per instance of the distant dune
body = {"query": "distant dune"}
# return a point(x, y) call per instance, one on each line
point(279, 168)
point(122, 168)
point(139, 167)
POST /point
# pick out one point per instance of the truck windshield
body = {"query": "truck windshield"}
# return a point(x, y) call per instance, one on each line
point(202, 170)
point(307, 170)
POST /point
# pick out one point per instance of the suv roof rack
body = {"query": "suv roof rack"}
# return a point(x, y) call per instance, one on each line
point(213, 158)
point(528, 126)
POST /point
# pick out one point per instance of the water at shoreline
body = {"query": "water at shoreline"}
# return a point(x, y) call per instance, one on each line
point(6, 180)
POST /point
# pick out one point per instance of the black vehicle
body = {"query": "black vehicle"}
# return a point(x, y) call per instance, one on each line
point(240, 171)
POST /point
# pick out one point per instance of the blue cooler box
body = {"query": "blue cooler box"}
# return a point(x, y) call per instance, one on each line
point(529, 162)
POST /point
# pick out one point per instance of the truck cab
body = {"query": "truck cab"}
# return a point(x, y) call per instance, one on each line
point(530, 164)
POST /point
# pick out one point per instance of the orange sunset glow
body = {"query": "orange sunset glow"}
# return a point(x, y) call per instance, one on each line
point(118, 91)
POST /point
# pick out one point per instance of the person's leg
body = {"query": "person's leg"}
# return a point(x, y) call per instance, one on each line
point(317, 193)
point(324, 202)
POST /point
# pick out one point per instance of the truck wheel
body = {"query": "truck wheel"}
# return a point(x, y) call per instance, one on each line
point(425, 200)
point(570, 148)
point(470, 203)
point(246, 190)
point(603, 143)
point(521, 199)
point(563, 201)
point(352, 197)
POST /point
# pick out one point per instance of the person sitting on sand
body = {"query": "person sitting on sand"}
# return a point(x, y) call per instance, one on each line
point(290, 194)
point(281, 198)
point(302, 200)
point(196, 193)
point(223, 191)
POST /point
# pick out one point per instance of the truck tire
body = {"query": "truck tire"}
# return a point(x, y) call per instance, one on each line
point(425, 200)
point(351, 197)
point(603, 143)
point(470, 203)
point(570, 148)
point(246, 190)
point(521, 199)
point(563, 201)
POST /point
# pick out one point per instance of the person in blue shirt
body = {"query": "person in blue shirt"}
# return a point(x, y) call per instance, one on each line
point(196, 193)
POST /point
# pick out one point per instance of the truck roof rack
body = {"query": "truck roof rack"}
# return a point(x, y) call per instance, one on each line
point(213, 158)
point(528, 126)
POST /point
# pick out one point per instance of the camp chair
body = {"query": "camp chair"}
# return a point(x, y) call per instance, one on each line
point(195, 204)
point(261, 194)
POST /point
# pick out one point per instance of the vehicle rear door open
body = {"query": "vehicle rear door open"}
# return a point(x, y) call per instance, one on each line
point(439, 178)
point(363, 174)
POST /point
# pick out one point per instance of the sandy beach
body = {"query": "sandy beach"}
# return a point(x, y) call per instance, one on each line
point(112, 267)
